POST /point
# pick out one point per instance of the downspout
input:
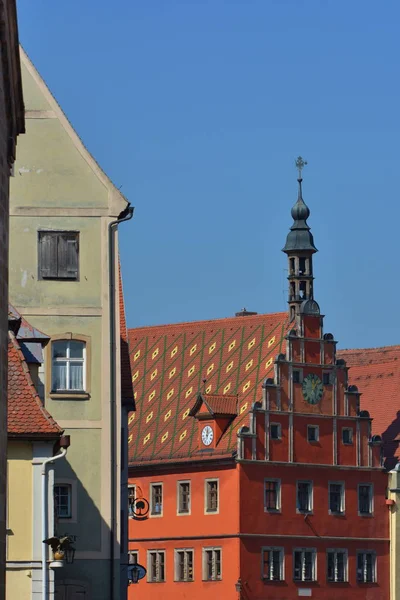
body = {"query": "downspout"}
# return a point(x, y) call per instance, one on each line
point(64, 443)
point(126, 215)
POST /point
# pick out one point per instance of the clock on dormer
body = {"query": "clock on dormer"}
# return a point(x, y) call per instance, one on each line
point(207, 435)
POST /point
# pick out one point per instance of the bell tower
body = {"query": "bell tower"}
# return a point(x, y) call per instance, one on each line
point(299, 248)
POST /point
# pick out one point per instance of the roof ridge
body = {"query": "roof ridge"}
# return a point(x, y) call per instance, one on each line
point(373, 348)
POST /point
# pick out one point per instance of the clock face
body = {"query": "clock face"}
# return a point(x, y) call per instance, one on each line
point(312, 388)
point(207, 435)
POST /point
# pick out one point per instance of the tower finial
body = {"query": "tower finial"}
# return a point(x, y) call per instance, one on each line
point(300, 164)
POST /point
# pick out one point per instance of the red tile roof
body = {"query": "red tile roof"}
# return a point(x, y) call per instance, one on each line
point(126, 376)
point(217, 404)
point(376, 373)
point(27, 416)
point(169, 363)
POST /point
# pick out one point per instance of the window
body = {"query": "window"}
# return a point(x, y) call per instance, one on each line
point(304, 564)
point(156, 498)
point(296, 376)
point(184, 565)
point(183, 497)
point(62, 501)
point(272, 494)
point(131, 499)
point(276, 431)
point(59, 255)
point(336, 567)
point(326, 378)
point(212, 499)
point(365, 499)
point(366, 567)
point(272, 564)
point(156, 566)
point(336, 497)
point(304, 496)
point(312, 433)
point(133, 557)
point(68, 366)
point(212, 564)
point(347, 435)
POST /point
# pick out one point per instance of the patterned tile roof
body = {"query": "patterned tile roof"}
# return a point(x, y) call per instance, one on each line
point(26, 413)
point(168, 365)
point(376, 373)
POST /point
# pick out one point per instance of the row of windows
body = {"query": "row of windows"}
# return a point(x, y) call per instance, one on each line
point(312, 433)
point(272, 565)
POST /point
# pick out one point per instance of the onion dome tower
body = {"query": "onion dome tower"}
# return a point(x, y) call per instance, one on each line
point(300, 248)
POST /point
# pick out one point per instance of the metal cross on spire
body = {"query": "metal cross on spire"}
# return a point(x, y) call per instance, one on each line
point(300, 164)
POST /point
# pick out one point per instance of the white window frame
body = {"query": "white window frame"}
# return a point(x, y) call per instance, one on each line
point(279, 426)
point(313, 565)
point(207, 511)
point(336, 551)
point(342, 498)
point(179, 512)
point(374, 566)
point(371, 500)
point(351, 436)
point(186, 567)
point(278, 495)
point(132, 554)
point(316, 429)
point(131, 487)
point(211, 549)
point(73, 499)
point(68, 362)
point(281, 563)
point(157, 552)
point(311, 497)
point(153, 514)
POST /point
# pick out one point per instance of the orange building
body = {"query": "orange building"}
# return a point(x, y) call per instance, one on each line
point(263, 477)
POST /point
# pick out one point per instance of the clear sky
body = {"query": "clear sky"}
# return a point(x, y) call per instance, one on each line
point(198, 110)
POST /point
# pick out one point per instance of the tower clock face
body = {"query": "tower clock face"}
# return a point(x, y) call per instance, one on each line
point(207, 435)
point(312, 388)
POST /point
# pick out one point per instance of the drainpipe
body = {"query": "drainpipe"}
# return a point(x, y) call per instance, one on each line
point(125, 215)
point(64, 443)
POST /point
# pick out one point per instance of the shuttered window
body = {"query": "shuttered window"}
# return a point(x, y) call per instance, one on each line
point(59, 255)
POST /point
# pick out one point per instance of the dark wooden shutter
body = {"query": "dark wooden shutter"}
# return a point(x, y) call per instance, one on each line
point(47, 255)
point(67, 254)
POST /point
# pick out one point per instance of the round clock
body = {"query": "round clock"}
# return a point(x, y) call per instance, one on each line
point(312, 388)
point(207, 435)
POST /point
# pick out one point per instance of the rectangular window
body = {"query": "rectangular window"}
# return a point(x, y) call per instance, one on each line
point(131, 499)
point(296, 376)
point(272, 494)
point(212, 499)
point(366, 567)
point(133, 557)
point(68, 372)
point(336, 497)
point(326, 378)
point(272, 564)
point(62, 501)
point(212, 564)
point(156, 499)
point(156, 566)
point(276, 431)
point(347, 435)
point(59, 255)
point(312, 433)
point(183, 497)
point(365, 499)
point(304, 564)
point(184, 565)
point(336, 565)
point(304, 496)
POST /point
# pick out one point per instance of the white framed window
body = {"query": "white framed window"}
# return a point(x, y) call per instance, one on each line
point(347, 436)
point(68, 370)
point(155, 566)
point(312, 433)
point(131, 499)
point(183, 497)
point(272, 495)
point(275, 431)
point(184, 564)
point(304, 564)
point(212, 564)
point(133, 557)
point(156, 499)
point(365, 499)
point(211, 496)
point(336, 565)
point(366, 566)
point(272, 565)
point(336, 497)
point(304, 496)
point(63, 500)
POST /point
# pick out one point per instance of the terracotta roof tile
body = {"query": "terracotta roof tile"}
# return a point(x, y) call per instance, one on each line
point(221, 405)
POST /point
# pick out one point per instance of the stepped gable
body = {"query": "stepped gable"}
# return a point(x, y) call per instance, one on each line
point(27, 416)
point(169, 364)
point(376, 373)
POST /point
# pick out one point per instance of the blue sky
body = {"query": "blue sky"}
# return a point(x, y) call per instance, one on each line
point(198, 110)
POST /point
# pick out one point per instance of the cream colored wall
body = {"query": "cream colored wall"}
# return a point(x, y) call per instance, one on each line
point(394, 494)
point(19, 540)
point(19, 584)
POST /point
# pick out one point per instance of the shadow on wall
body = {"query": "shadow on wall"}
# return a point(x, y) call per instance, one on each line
point(391, 440)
